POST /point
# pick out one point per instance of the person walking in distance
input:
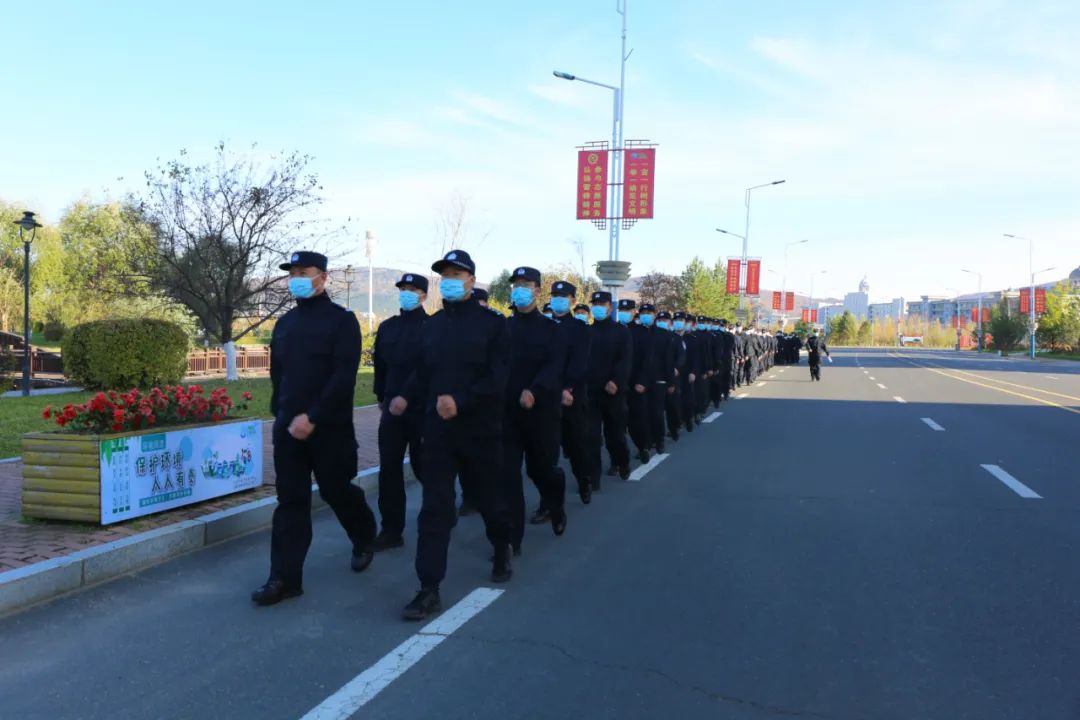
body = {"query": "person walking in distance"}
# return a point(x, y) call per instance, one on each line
point(575, 400)
point(815, 346)
point(397, 351)
point(314, 357)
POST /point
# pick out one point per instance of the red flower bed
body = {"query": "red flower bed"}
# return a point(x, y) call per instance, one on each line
point(113, 412)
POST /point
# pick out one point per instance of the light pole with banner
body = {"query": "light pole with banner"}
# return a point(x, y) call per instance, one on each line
point(369, 251)
point(980, 310)
point(27, 224)
point(1031, 268)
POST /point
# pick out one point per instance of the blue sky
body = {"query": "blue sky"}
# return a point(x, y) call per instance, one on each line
point(911, 135)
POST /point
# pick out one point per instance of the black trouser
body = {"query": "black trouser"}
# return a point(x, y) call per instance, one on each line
point(815, 370)
point(396, 433)
point(575, 439)
point(638, 405)
point(725, 379)
point(715, 383)
point(701, 395)
point(657, 403)
point(330, 454)
point(532, 436)
point(607, 422)
point(748, 373)
point(673, 408)
point(686, 396)
point(448, 451)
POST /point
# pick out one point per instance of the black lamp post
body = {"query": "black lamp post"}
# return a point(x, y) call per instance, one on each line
point(26, 224)
point(349, 276)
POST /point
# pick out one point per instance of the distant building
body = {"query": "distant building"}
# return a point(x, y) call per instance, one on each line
point(894, 310)
point(858, 303)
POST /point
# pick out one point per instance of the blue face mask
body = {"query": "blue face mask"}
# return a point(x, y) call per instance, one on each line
point(582, 317)
point(452, 289)
point(680, 324)
point(301, 287)
point(408, 300)
point(599, 312)
point(663, 324)
point(560, 305)
point(625, 316)
point(547, 315)
point(647, 319)
point(521, 297)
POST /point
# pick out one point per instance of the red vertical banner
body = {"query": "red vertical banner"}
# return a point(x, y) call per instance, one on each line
point(813, 316)
point(776, 300)
point(986, 315)
point(592, 184)
point(789, 302)
point(753, 277)
point(956, 321)
point(806, 315)
point(734, 269)
point(1025, 300)
point(1040, 300)
point(974, 314)
point(638, 182)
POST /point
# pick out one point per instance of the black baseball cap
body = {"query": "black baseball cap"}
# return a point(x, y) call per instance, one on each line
point(581, 306)
point(647, 308)
point(563, 288)
point(702, 319)
point(601, 296)
point(526, 273)
point(457, 258)
point(417, 281)
point(305, 258)
point(627, 304)
point(663, 315)
point(479, 293)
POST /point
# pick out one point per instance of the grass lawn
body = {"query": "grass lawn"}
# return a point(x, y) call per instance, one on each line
point(1059, 355)
point(19, 415)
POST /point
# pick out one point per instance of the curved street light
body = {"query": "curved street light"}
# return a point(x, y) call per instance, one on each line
point(27, 224)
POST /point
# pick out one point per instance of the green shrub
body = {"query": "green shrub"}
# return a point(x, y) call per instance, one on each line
point(367, 349)
point(53, 331)
point(125, 353)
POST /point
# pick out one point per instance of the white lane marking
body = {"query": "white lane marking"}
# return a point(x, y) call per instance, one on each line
point(741, 396)
point(899, 399)
point(882, 386)
point(364, 687)
point(1015, 485)
point(648, 467)
point(772, 377)
point(866, 372)
point(713, 417)
point(933, 425)
point(1052, 377)
point(873, 378)
point(760, 384)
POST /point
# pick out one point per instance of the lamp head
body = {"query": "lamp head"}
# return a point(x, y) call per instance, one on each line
point(564, 75)
point(27, 222)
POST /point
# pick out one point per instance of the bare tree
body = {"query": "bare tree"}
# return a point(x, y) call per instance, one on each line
point(453, 229)
point(220, 231)
point(578, 243)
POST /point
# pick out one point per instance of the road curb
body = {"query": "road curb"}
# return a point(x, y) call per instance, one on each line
point(27, 586)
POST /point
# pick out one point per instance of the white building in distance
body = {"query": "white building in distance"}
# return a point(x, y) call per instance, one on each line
point(858, 303)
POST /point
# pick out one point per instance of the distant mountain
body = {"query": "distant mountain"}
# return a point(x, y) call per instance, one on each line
point(384, 281)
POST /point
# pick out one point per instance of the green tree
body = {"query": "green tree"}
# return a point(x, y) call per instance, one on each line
point(499, 288)
point(1059, 327)
point(703, 290)
point(803, 329)
point(1007, 330)
point(844, 330)
point(46, 259)
point(866, 333)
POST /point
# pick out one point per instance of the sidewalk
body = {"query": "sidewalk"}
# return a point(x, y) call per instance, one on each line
point(24, 542)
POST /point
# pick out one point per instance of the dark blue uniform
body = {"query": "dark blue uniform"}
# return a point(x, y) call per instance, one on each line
point(537, 356)
point(610, 357)
point(464, 355)
point(314, 356)
point(692, 366)
point(397, 354)
point(575, 419)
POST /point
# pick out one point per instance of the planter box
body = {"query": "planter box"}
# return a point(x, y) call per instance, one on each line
point(109, 478)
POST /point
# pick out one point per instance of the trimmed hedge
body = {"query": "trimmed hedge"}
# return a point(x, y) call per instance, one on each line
point(125, 353)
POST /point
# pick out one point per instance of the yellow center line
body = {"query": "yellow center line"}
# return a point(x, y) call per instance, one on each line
point(1016, 385)
point(1051, 403)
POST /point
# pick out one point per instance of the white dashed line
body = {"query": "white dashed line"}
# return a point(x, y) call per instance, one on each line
point(648, 467)
point(873, 378)
point(933, 425)
point(1052, 377)
point(741, 396)
point(712, 417)
point(364, 687)
point(899, 399)
point(1013, 484)
point(882, 386)
point(760, 384)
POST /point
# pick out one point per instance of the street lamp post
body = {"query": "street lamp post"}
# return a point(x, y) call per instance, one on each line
point(810, 301)
point(26, 223)
point(980, 310)
point(1034, 272)
point(746, 234)
point(369, 250)
point(615, 171)
point(349, 274)
point(783, 284)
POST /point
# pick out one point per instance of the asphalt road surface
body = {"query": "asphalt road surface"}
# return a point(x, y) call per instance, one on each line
point(901, 540)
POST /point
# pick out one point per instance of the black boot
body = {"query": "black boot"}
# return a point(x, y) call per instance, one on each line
point(274, 591)
point(643, 456)
point(362, 557)
point(501, 568)
point(613, 471)
point(624, 472)
point(467, 508)
point(388, 541)
point(540, 516)
point(585, 493)
point(424, 605)
point(558, 522)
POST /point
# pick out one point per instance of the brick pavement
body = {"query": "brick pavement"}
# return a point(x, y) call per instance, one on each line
point(24, 542)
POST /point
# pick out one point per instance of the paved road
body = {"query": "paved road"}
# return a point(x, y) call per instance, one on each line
point(817, 551)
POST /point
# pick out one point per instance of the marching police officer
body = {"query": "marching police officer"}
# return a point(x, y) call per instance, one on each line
point(468, 507)
point(533, 421)
point(610, 357)
point(462, 375)
point(582, 312)
point(397, 352)
point(314, 357)
point(575, 430)
point(691, 368)
point(675, 355)
point(642, 379)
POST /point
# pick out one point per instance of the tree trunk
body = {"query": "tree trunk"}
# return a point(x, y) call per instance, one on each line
point(231, 372)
